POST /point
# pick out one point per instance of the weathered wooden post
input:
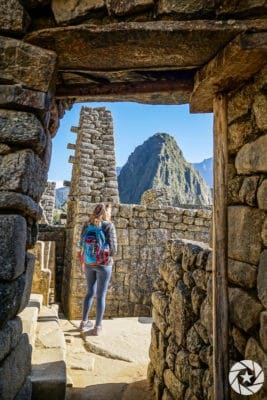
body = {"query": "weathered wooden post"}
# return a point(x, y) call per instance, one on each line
point(220, 297)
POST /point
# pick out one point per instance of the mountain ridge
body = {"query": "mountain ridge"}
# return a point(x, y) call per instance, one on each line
point(157, 163)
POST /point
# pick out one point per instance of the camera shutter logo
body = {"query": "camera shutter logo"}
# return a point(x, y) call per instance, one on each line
point(246, 377)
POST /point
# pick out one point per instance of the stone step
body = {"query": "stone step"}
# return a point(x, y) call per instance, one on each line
point(48, 375)
point(29, 316)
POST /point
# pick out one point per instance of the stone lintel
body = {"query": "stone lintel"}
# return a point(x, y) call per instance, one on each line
point(132, 45)
point(238, 61)
point(172, 92)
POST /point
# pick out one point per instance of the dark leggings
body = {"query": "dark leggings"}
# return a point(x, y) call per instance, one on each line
point(97, 283)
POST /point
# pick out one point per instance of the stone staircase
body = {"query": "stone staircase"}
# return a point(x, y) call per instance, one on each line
point(48, 374)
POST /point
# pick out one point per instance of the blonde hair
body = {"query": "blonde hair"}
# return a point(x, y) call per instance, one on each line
point(99, 214)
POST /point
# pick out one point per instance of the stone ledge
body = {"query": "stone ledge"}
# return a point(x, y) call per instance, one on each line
point(29, 317)
point(48, 375)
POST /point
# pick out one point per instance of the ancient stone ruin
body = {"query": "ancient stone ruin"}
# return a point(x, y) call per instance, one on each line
point(210, 54)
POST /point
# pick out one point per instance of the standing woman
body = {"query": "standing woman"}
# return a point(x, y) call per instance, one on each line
point(98, 277)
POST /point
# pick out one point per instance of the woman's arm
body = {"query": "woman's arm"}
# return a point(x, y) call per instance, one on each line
point(112, 238)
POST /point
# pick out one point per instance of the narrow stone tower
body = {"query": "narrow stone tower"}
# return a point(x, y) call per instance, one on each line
point(94, 180)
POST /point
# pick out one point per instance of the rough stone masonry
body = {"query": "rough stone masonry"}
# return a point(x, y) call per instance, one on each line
point(159, 52)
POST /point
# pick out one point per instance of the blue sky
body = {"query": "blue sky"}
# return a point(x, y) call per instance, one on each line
point(133, 124)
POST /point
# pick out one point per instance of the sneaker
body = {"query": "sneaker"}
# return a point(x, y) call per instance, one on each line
point(97, 330)
point(85, 325)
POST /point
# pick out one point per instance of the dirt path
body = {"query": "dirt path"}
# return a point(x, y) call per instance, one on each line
point(95, 366)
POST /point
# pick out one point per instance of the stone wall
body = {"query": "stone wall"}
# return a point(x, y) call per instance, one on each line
point(25, 150)
point(181, 338)
point(247, 220)
point(142, 234)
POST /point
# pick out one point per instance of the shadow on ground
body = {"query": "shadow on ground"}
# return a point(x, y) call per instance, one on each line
point(112, 391)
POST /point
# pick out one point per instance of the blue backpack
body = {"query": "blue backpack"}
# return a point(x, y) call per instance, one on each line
point(94, 249)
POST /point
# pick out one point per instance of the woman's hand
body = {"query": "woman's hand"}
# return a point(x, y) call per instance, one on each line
point(82, 267)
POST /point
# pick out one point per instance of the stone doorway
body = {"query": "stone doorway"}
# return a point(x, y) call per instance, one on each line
point(154, 51)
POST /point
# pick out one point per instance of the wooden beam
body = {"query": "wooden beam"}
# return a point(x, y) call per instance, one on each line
point(237, 62)
point(220, 292)
point(167, 92)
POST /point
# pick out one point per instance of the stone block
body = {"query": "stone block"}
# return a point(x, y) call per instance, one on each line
point(166, 395)
point(157, 351)
point(13, 246)
point(158, 387)
point(155, 236)
point(259, 109)
point(263, 330)
point(201, 278)
point(13, 17)
point(242, 8)
point(244, 233)
point(30, 258)
point(248, 190)
point(176, 388)
point(176, 248)
point(125, 7)
point(239, 133)
point(159, 321)
point(126, 210)
point(240, 103)
point(171, 271)
point(202, 332)
point(25, 392)
point(244, 309)
point(11, 294)
point(194, 342)
point(68, 11)
point(181, 315)
point(205, 354)
point(182, 366)
point(262, 195)
point(254, 352)
point(138, 236)
point(27, 65)
point(22, 129)
point(252, 157)
point(10, 336)
point(262, 278)
point(20, 202)
point(194, 360)
point(123, 236)
point(206, 317)
point(24, 172)
point(160, 302)
point(240, 340)
point(264, 233)
point(18, 360)
point(190, 253)
point(18, 97)
point(197, 298)
point(242, 274)
point(195, 382)
point(185, 7)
